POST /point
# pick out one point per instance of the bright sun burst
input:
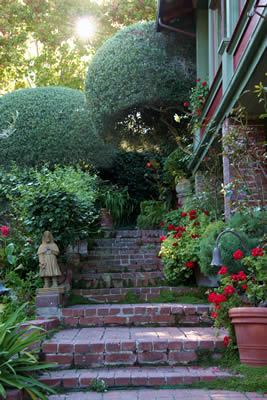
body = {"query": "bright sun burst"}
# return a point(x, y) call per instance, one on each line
point(85, 28)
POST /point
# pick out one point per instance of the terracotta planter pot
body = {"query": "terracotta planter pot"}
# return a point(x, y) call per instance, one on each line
point(251, 333)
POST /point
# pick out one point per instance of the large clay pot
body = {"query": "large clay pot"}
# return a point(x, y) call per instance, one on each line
point(251, 333)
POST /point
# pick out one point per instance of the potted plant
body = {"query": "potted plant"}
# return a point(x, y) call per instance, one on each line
point(239, 304)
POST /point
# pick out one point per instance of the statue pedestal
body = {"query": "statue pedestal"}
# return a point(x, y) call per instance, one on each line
point(49, 301)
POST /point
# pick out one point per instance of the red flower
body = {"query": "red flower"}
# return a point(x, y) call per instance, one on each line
point(190, 264)
point(257, 252)
point(238, 254)
point(242, 275)
point(178, 235)
point(183, 214)
point(214, 315)
point(229, 289)
point(179, 205)
point(218, 307)
point(245, 286)
point(4, 231)
point(199, 97)
point(235, 277)
point(194, 236)
point(198, 79)
point(171, 227)
point(175, 244)
point(226, 340)
point(192, 212)
point(207, 212)
point(162, 223)
point(192, 217)
point(162, 238)
point(223, 271)
point(30, 241)
point(186, 104)
point(196, 224)
point(204, 83)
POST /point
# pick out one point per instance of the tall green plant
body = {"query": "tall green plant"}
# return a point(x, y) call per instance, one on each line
point(18, 364)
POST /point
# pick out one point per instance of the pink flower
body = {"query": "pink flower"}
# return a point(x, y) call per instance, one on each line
point(186, 104)
point(149, 165)
point(238, 254)
point(229, 289)
point(183, 214)
point(223, 271)
point(204, 83)
point(162, 238)
point(257, 252)
point(4, 231)
point(171, 227)
point(190, 264)
point(226, 340)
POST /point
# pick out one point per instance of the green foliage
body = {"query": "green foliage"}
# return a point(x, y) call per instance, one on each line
point(98, 385)
point(49, 125)
point(62, 201)
point(180, 250)
point(253, 223)
point(151, 212)
point(117, 202)
point(18, 364)
point(138, 67)
point(175, 166)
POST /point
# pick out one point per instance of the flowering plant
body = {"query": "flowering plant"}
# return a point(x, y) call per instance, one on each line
point(180, 249)
point(239, 290)
point(7, 248)
point(198, 96)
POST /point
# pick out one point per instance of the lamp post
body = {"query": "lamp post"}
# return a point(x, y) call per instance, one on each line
point(217, 258)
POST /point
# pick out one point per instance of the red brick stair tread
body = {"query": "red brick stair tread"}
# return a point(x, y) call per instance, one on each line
point(133, 376)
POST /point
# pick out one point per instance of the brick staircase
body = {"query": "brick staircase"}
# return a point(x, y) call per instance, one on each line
point(146, 344)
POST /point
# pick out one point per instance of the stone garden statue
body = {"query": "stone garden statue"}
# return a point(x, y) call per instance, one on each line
point(48, 252)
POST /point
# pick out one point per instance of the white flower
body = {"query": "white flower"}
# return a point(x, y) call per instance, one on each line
point(177, 118)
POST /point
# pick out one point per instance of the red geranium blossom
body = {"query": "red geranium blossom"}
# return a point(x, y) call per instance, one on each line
point(226, 340)
point(207, 212)
point(204, 83)
point(162, 238)
point(186, 104)
point(192, 212)
point(196, 223)
point(194, 236)
point(238, 254)
point(179, 205)
point(235, 277)
point(229, 289)
point(190, 264)
point(183, 214)
point(223, 271)
point(192, 217)
point(257, 252)
point(198, 79)
point(178, 235)
point(214, 315)
point(216, 298)
point(242, 275)
point(175, 244)
point(162, 223)
point(149, 165)
point(199, 97)
point(4, 231)
point(245, 286)
point(171, 227)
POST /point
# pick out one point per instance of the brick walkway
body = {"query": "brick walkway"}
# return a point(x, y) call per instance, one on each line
point(163, 394)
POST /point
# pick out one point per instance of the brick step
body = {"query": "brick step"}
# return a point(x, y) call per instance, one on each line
point(98, 347)
point(162, 314)
point(132, 376)
point(114, 295)
point(119, 280)
point(116, 267)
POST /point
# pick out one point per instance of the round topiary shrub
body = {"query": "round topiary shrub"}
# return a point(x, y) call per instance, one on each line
point(138, 67)
point(48, 125)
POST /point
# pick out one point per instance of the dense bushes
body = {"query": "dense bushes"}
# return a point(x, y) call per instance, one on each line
point(62, 201)
point(138, 67)
point(48, 125)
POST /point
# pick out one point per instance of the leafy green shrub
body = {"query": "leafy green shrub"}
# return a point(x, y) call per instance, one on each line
point(129, 71)
point(62, 201)
point(151, 212)
point(174, 165)
point(49, 125)
point(17, 363)
point(253, 223)
point(180, 250)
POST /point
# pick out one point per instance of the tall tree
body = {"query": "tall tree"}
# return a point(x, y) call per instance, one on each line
point(39, 45)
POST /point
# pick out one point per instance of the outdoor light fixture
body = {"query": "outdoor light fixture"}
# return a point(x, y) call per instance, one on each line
point(217, 258)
